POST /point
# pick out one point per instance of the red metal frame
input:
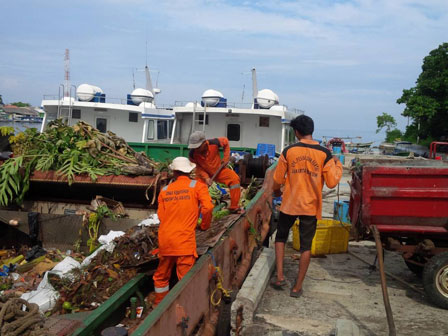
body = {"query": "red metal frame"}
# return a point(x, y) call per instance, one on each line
point(401, 200)
point(433, 146)
point(336, 140)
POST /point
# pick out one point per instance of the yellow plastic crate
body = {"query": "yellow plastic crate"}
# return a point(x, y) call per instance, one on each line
point(331, 237)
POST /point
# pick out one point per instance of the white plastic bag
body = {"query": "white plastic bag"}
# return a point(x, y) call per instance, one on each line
point(106, 239)
point(152, 220)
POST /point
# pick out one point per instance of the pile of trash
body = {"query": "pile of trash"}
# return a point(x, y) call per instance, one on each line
point(21, 270)
point(69, 151)
point(64, 283)
point(106, 271)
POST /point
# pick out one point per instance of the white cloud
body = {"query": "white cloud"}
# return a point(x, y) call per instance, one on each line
point(320, 55)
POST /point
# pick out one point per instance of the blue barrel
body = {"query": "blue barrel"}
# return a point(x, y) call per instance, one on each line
point(337, 150)
point(340, 211)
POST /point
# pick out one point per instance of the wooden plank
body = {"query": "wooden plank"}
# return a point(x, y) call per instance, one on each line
point(209, 238)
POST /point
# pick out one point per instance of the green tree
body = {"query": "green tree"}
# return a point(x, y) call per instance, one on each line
point(393, 135)
point(427, 102)
point(385, 121)
point(20, 104)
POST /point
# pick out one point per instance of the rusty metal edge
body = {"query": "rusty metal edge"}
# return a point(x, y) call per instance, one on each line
point(172, 295)
point(155, 315)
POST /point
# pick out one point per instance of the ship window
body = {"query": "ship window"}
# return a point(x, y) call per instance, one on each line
point(133, 117)
point(264, 122)
point(101, 124)
point(150, 132)
point(201, 119)
point(162, 131)
point(233, 132)
point(76, 114)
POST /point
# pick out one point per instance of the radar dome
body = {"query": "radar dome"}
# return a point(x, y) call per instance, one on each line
point(86, 92)
point(211, 97)
point(141, 95)
point(193, 105)
point(280, 108)
point(266, 98)
point(148, 105)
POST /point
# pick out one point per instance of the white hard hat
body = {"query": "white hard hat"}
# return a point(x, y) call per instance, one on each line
point(182, 164)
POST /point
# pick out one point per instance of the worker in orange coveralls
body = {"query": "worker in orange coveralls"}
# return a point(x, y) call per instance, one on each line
point(302, 168)
point(178, 212)
point(205, 153)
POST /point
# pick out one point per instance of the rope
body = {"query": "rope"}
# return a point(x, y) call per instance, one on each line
point(15, 321)
point(219, 287)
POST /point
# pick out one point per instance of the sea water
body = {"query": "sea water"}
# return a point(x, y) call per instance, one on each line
point(350, 135)
point(20, 126)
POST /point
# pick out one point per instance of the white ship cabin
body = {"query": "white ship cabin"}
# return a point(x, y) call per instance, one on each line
point(264, 121)
point(136, 118)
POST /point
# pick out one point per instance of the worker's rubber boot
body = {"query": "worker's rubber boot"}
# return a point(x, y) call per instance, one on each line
point(159, 298)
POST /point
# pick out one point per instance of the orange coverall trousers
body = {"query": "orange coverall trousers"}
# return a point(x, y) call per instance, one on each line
point(231, 179)
point(163, 273)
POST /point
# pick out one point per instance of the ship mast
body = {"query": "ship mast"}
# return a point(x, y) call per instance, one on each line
point(67, 73)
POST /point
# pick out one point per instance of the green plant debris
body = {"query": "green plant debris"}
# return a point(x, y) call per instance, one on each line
point(6, 130)
point(220, 214)
point(70, 151)
point(93, 225)
point(250, 192)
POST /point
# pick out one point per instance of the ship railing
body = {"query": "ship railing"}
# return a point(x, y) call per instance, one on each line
point(182, 103)
point(109, 100)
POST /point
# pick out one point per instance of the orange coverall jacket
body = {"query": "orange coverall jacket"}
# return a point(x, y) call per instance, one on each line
point(178, 212)
point(303, 168)
point(208, 164)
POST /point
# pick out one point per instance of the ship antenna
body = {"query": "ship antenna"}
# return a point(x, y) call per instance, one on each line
point(254, 83)
point(133, 78)
point(67, 73)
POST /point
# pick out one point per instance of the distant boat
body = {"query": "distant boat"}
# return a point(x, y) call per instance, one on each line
point(387, 148)
point(358, 147)
point(351, 146)
point(403, 148)
point(138, 119)
point(135, 118)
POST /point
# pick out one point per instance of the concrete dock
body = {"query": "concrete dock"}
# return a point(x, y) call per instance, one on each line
point(339, 290)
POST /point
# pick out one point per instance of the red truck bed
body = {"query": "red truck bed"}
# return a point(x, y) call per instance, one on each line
point(401, 197)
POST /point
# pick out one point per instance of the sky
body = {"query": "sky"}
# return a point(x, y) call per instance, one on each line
point(342, 62)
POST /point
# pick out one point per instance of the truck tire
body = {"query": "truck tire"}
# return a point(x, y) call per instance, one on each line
point(435, 279)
